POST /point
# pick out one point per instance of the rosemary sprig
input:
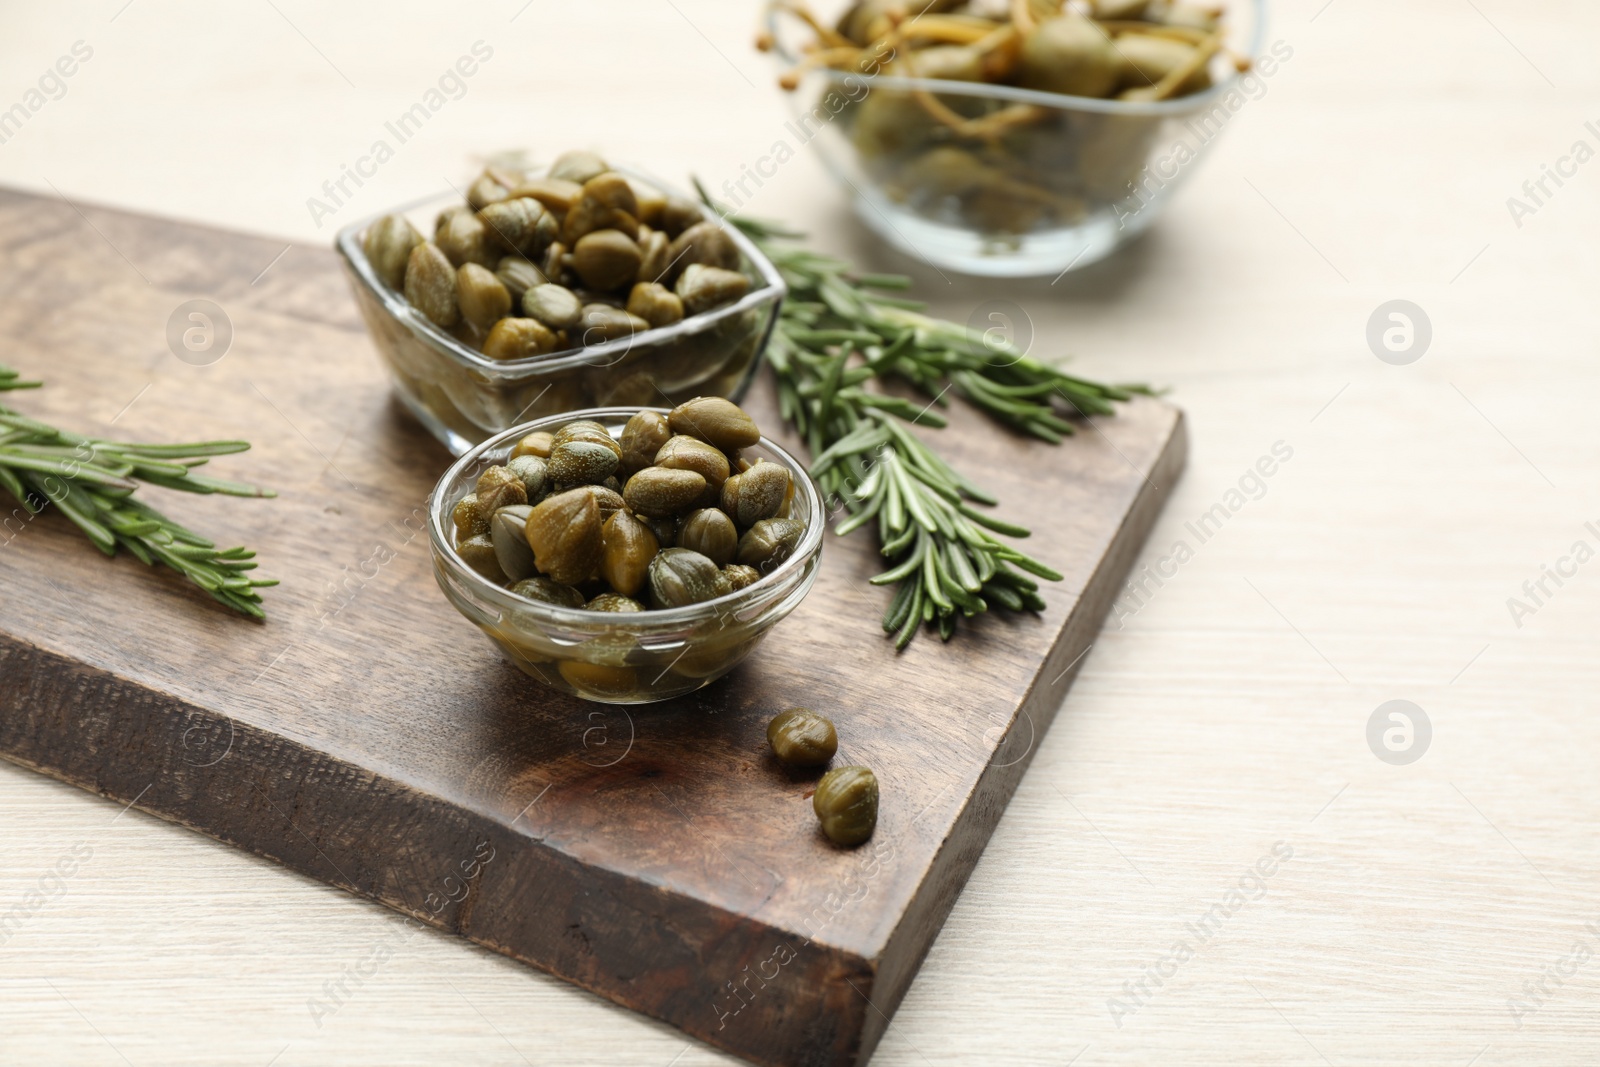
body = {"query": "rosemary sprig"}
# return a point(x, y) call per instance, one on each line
point(841, 330)
point(91, 481)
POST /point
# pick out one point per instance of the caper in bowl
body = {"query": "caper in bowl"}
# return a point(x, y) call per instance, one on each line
point(537, 292)
point(605, 554)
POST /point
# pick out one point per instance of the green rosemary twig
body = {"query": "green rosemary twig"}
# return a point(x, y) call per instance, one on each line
point(840, 330)
point(92, 481)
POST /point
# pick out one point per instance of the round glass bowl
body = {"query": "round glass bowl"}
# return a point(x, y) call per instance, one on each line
point(1032, 183)
point(617, 658)
point(463, 397)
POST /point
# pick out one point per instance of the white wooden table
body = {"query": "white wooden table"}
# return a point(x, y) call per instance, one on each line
point(1430, 913)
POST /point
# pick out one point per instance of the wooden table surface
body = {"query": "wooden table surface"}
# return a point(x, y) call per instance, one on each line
point(1207, 862)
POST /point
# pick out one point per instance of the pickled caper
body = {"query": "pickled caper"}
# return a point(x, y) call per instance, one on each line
point(549, 591)
point(629, 547)
point(756, 494)
point(430, 284)
point(642, 438)
point(583, 462)
point(711, 533)
point(679, 576)
point(769, 542)
point(531, 469)
point(535, 444)
point(508, 534)
point(614, 602)
point(659, 492)
point(801, 738)
point(388, 246)
point(716, 421)
point(564, 532)
point(483, 296)
point(846, 803)
point(498, 487)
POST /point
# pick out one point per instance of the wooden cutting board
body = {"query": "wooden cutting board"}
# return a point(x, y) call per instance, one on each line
point(367, 735)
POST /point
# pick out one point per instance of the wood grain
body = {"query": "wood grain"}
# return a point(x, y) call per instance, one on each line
point(367, 735)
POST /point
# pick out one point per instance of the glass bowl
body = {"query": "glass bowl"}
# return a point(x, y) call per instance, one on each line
point(463, 397)
point(1052, 183)
point(616, 658)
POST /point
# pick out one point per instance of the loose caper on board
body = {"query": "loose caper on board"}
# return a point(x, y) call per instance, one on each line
point(846, 803)
point(801, 738)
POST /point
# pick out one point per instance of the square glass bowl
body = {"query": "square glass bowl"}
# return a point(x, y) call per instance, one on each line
point(1033, 183)
point(464, 397)
point(613, 657)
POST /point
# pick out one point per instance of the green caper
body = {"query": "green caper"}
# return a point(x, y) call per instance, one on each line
point(465, 239)
point(702, 288)
point(554, 305)
point(679, 576)
point(1069, 54)
point(650, 201)
point(642, 438)
point(715, 420)
point(564, 532)
point(430, 285)
point(483, 297)
point(478, 553)
point(549, 591)
point(769, 542)
point(521, 224)
point(578, 166)
point(614, 602)
point(608, 203)
point(387, 245)
point(486, 189)
point(518, 339)
point(665, 529)
point(606, 259)
point(704, 242)
point(758, 493)
point(686, 453)
point(534, 444)
point(801, 738)
point(711, 533)
point(556, 194)
point(653, 248)
point(630, 545)
point(497, 488)
point(660, 492)
point(468, 518)
point(607, 499)
point(508, 533)
point(582, 430)
point(678, 214)
point(518, 275)
point(554, 263)
point(599, 678)
point(846, 802)
point(602, 323)
point(583, 462)
point(655, 304)
point(533, 472)
point(736, 576)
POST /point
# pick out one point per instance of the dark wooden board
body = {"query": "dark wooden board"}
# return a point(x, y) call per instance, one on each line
point(369, 736)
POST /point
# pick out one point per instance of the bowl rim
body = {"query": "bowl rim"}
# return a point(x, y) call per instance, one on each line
point(809, 547)
point(1059, 101)
point(347, 242)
